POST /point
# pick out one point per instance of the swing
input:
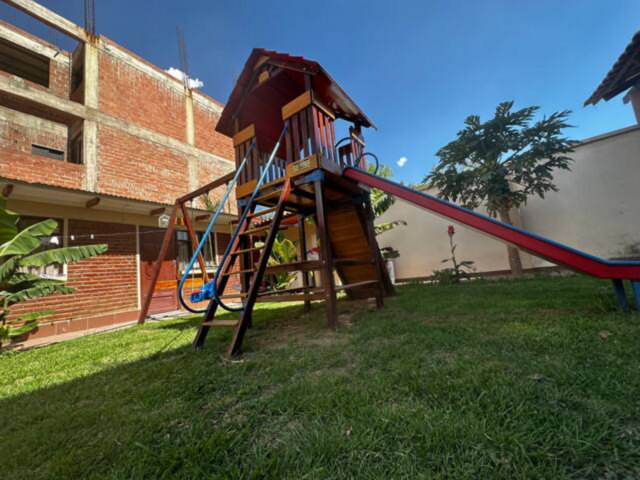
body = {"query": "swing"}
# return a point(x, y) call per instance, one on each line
point(205, 292)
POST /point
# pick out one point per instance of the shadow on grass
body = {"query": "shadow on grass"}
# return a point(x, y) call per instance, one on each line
point(117, 421)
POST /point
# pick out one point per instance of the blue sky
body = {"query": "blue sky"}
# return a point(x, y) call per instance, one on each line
point(417, 68)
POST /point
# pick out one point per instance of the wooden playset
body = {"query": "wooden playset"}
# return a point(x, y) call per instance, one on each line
point(290, 170)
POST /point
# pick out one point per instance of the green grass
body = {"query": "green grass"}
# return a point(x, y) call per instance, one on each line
point(525, 379)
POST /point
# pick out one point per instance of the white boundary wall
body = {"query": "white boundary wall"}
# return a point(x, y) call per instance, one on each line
point(597, 210)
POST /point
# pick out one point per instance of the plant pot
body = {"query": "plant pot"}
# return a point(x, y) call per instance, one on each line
point(392, 270)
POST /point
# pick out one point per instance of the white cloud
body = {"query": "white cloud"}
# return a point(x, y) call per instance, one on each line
point(402, 161)
point(179, 74)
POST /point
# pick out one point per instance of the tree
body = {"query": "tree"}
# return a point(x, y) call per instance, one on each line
point(381, 201)
point(19, 251)
point(502, 162)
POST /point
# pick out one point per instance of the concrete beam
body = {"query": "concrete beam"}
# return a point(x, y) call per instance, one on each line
point(16, 87)
point(30, 44)
point(50, 18)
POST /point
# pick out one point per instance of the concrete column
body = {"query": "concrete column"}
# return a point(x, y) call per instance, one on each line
point(92, 101)
point(90, 154)
point(91, 82)
point(191, 125)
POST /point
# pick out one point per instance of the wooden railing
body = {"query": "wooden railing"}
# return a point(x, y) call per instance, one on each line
point(310, 131)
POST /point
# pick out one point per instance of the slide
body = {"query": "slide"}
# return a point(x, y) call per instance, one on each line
point(529, 242)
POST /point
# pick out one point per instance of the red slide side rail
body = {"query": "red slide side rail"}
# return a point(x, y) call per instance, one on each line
point(534, 244)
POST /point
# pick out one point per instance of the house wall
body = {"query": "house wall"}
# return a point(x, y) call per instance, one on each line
point(145, 139)
point(145, 136)
point(104, 284)
point(18, 132)
point(107, 287)
point(595, 210)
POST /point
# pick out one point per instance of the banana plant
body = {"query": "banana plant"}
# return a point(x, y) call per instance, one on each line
point(381, 202)
point(18, 251)
point(283, 251)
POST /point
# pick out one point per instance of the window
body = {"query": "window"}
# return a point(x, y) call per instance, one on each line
point(55, 240)
point(185, 251)
point(75, 149)
point(47, 152)
point(24, 63)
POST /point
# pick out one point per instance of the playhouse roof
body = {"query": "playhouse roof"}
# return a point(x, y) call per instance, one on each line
point(324, 86)
point(624, 74)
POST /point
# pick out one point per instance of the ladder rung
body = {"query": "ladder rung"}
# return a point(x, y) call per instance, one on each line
point(247, 250)
point(254, 231)
point(268, 196)
point(238, 272)
point(220, 323)
point(263, 212)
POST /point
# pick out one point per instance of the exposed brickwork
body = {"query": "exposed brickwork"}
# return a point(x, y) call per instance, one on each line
point(138, 158)
point(59, 78)
point(208, 171)
point(18, 163)
point(134, 168)
point(206, 137)
point(106, 283)
point(130, 94)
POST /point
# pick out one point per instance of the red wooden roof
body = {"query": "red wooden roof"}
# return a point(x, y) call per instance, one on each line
point(624, 74)
point(327, 88)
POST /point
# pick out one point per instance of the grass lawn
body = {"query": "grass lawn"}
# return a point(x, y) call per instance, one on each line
point(536, 379)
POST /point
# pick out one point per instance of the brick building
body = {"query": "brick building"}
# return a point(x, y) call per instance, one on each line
point(104, 142)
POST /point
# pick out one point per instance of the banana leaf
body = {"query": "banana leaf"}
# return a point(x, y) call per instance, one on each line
point(62, 255)
point(27, 240)
point(8, 267)
point(36, 291)
point(8, 222)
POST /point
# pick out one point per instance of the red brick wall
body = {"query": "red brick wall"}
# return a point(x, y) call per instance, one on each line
point(17, 162)
point(128, 93)
point(59, 78)
point(134, 168)
point(206, 137)
point(208, 171)
point(104, 284)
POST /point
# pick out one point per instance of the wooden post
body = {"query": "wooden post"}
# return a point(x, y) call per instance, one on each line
point(194, 241)
point(373, 247)
point(326, 272)
point(156, 271)
point(303, 257)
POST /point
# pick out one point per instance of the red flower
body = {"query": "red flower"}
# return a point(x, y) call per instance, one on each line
point(451, 231)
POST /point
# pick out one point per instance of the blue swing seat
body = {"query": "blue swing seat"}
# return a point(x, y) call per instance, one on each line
point(205, 293)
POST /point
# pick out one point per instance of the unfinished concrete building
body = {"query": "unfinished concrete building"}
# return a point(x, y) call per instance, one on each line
point(103, 141)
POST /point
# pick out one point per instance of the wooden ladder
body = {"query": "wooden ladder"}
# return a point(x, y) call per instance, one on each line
point(254, 272)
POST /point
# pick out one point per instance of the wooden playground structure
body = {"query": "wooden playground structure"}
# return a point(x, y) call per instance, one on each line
point(291, 169)
point(281, 116)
